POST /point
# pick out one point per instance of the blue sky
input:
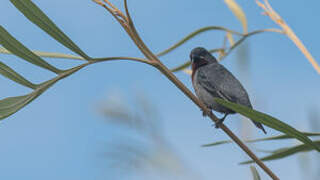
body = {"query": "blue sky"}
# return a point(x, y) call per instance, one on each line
point(61, 135)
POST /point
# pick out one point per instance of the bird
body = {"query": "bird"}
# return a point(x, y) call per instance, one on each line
point(212, 80)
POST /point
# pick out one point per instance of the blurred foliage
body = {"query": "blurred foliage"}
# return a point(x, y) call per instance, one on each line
point(255, 173)
point(142, 148)
point(310, 162)
point(269, 121)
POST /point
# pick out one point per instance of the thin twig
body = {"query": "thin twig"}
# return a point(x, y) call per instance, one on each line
point(194, 33)
point(274, 16)
point(228, 50)
point(237, 43)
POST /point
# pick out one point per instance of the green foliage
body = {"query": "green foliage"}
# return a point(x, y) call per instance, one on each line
point(10, 105)
point(285, 152)
point(260, 139)
point(35, 15)
point(278, 153)
point(17, 48)
point(14, 76)
point(268, 121)
point(47, 54)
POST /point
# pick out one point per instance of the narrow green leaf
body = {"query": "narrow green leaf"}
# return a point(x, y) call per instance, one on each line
point(35, 15)
point(255, 173)
point(268, 121)
point(285, 152)
point(261, 139)
point(217, 143)
point(14, 46)
point(10, 105)
point(14, 76)
point(47, 54)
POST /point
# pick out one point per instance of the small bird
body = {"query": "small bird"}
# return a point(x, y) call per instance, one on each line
point(212, 80)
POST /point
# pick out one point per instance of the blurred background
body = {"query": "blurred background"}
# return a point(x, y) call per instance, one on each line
point(124, 120)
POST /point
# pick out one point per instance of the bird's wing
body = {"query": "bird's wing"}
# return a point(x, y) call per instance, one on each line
point(211, 85)
point(217, 80)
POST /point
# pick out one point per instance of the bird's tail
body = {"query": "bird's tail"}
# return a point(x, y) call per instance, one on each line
point(259, 125)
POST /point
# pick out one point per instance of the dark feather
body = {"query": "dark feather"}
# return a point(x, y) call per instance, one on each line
point(220, 83)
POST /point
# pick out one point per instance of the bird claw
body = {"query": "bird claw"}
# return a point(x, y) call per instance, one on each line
point(218, 123)
point(205, 114)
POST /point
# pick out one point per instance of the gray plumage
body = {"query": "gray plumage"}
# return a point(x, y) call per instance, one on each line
point(212, 80)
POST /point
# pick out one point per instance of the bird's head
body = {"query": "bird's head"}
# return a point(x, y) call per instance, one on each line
point(200, 56)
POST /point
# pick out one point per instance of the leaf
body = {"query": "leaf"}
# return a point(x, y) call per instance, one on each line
point(238, 12)
point(10, 105)
point(261, 139)
point(14, 46)
point(47, 54)
point(255, 173)
point(11, 74)
point(35, 15)
point(285, 152)
point(268, 121)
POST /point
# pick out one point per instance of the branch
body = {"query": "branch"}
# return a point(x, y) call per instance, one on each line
point(96, 60)
point(130, 29)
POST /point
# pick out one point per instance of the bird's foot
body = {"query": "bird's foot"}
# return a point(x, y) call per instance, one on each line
point(205, 114)
point(220, 121)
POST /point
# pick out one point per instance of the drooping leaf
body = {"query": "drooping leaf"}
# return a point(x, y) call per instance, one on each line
point(17, 48)
point(268, 121)
point(47, 54)
point(14, 76)
point(238, 12)
point(35, 15)
point(285, 152)
point(260, 139)
point(255, 173)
